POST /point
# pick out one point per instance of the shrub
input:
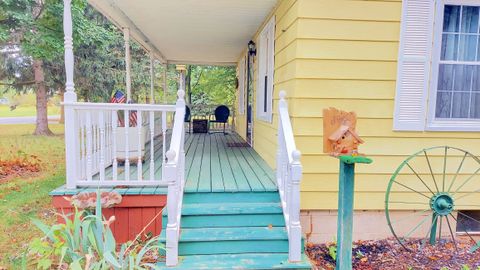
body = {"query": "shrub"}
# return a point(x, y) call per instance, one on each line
point(83, 242)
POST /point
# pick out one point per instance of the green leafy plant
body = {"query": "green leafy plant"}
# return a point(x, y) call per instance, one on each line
point(85, 241)
point(332, 251)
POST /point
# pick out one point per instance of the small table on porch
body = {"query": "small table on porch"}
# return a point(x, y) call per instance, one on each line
point(200, 125)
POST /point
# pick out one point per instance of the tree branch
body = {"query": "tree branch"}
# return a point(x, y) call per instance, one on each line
point(18, 84)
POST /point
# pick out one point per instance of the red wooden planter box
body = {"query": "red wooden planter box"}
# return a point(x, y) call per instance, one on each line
point(131, 215)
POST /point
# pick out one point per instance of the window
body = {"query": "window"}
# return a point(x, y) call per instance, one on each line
point(265, 71)
point(438, 82)
point(241, 85)
point(455, 92)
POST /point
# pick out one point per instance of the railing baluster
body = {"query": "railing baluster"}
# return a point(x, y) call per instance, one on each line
point(126, 117)
point(114, 145)
point(89, 147)
point(164, 141)
point(78, 153)
point(95, 141)
point(139, 145)
point(102, 145)
point(81, 115)
point(152, 145)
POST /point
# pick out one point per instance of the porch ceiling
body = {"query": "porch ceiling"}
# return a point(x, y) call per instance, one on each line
point(189, 31)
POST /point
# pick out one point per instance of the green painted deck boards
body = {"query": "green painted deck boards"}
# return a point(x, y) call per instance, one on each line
point(211, 166)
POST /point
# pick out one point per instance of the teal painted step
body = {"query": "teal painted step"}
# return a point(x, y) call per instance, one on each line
point(234, 197)
point(239, 261)
point(203, 241)
point(244, 220)
point(230, 215)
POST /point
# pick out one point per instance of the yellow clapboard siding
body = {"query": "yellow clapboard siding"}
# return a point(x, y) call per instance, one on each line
point(348, 29)
point(379, 182)
point(369, 127)
point(324, 164)
point(344, 89)
point(384, 145)
point(346, 69)
point(366, 201)
point(346, 50)
point(288, 36)
point(351, 10)
point(284, 73)
point(284, 8)
point(284, 20)
point(368, 109)
point(286, 55)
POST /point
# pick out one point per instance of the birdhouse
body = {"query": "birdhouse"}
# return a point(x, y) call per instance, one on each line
point(340, 136)
point(345, 141)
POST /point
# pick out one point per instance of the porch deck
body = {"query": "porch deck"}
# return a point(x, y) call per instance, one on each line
point(214, 163)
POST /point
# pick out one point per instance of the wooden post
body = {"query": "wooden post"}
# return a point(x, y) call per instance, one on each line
point(128, 82)
point(345, 209)
point(345, 216)
point(69, 98)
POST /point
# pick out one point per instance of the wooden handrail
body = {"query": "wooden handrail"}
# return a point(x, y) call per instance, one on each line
point(289, 175)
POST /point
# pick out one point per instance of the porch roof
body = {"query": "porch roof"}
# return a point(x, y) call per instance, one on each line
point(189, 31)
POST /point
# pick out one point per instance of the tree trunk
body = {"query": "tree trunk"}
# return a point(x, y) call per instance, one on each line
point(41, 93)
point(62, 111)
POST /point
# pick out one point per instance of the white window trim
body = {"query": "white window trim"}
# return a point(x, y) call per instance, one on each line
point(241, 85)
point(267, 32)
point(434, 124)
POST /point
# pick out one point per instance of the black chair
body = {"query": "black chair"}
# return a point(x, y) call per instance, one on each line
point(188, 118)
point(221, 116)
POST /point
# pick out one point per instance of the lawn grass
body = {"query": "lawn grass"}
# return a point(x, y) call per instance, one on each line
point(22, 198)
point(26, 110)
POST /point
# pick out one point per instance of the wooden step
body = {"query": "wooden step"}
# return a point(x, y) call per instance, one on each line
point(239, 261)
point(230, 215)
point(207, 241)
point(233, 197)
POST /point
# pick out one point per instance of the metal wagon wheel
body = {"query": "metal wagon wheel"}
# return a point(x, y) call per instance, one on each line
point(437, 183)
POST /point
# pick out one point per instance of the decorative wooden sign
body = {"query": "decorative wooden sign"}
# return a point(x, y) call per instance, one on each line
point(339, 134)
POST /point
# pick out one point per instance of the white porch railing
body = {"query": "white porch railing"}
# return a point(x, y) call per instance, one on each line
point(106, 148)
point(175, 175)
point(289, 175)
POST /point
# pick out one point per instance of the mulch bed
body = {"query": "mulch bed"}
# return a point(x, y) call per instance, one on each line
point(389, 255)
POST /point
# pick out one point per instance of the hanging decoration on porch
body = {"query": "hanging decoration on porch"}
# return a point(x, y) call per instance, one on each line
point(341, 140)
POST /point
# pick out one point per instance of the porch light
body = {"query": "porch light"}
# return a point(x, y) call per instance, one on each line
point(252, 49)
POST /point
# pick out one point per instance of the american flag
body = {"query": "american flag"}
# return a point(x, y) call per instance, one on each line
point(133, 118)
point(119, 97)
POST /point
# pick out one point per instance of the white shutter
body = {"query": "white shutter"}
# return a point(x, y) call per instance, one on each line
point(265, 56)
point(414, 65)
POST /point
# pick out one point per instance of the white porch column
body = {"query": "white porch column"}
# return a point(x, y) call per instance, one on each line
point(181, 80)
point(152, 75)
point(69, 97)
point(165, 84)
point(128, 81)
